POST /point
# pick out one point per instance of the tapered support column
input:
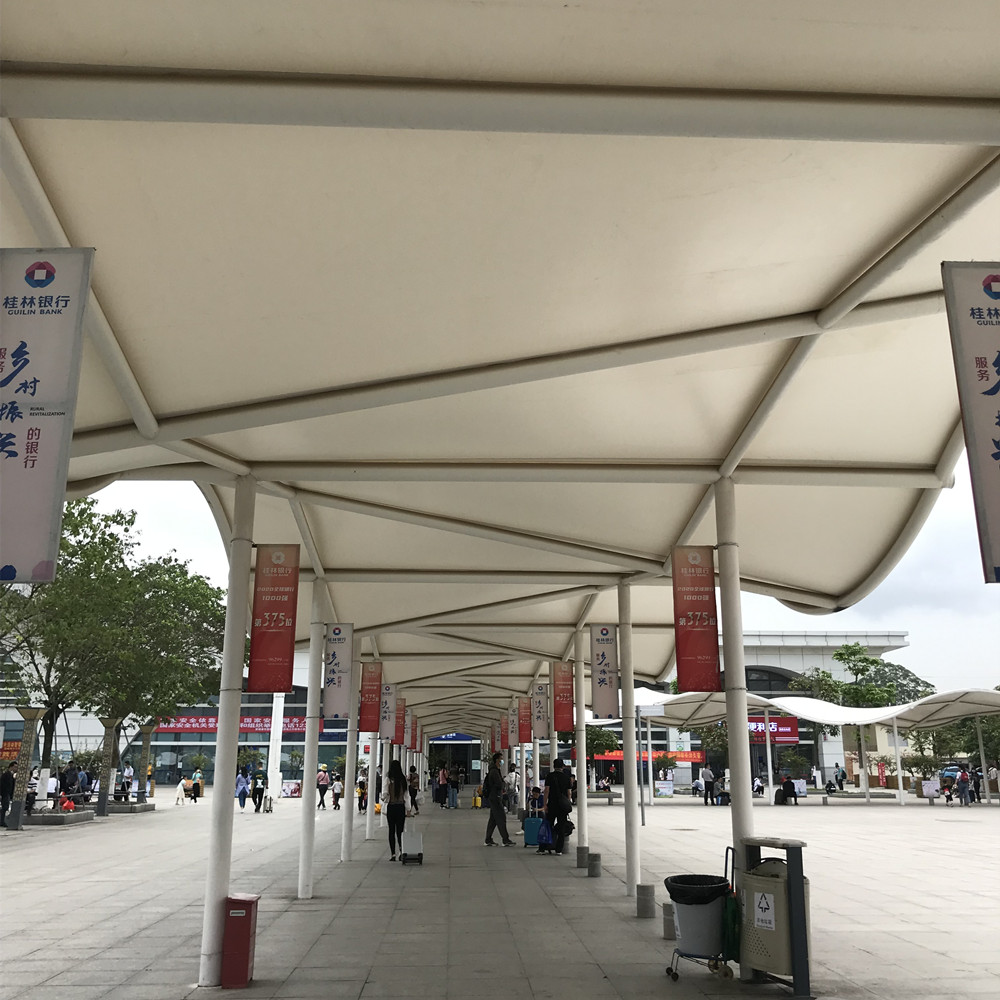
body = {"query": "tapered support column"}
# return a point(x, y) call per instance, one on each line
point(628, 739)
point(580, 697)
point(741, 792)
point(310, 763)
point(351, 765)
point(220, 841)
point(31, 714)
point(900, 794)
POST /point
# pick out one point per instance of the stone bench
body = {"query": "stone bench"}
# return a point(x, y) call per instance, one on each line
point(48, 817)
point(610, 796)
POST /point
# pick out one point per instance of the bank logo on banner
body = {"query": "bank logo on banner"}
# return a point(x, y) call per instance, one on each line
point(972, 298)
point(337, 671)
point(371, 697)
point(540, 712)
point(696, 624)
point(604, 678)
point(272, 630)
point(40, 347)
point(562, 696)
point(387, 712)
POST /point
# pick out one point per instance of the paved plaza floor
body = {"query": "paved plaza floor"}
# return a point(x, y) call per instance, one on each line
point(905, 904)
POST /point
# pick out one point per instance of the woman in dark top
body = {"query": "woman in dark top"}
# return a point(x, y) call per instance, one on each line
point(395, 795)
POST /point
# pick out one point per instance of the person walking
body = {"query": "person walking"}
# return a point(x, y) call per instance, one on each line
point(127, 775)
point(557, 804)
point(394, 796)
point(196, 785)
point(962, 788)
point(413, 782)
point(453, 789)
point(181, 791)
point(977, 780)
point(839, 773)
point(258, 785)
point(338, 791)
point(442, 788)
point(493, 795)
point(708, 779)
point(7, 782)
point(242, 787)
point(363, 794)
point(322, 785)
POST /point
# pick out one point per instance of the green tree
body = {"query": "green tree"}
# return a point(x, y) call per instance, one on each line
point(296, 758)
point(714, 741)
point(599, 740)
point(249, 756)
point(664, 761)
point(903, 684)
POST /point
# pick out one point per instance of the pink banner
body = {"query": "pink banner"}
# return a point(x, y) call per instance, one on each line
point(562, 693)
point(696, 623)
point(400, 736)
point(272, 632)
point(371, 693)
point(524, 719)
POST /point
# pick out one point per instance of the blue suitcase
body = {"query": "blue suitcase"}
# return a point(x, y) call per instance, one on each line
point(531, 825)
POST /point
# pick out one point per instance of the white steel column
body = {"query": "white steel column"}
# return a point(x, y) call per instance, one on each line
point(899, 764)
point(385, 757)
point(767, 752)
point(274, 742)
point(351, 764)
point(741, 794)
point(580, 697)
point(314, 695)
point(373, 787)
point(649, 755)
point(522, 774)
point(220, 842)
point(982, 760)
point(628, 738)
point(535, 755)
point(553, 736)
point(865, 784)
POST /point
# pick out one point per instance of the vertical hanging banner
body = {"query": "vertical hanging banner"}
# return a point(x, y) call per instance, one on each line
point(604, 678)
point(40, 345)
point(562, 695)
point(272, 633)
point(371, 697)
point(399, 736)
point(513, 725)
point(387, 712)
point(524, 719)
point(337, 671)
point(408, 741)
point(494, 739)
point(540, 712)
point(696, 623)
point(504, 733)
point(972, 298)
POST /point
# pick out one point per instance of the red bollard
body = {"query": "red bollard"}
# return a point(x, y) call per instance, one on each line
point(238, 940)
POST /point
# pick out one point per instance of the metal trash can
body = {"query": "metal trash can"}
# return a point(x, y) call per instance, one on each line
point(239, 940)
point(766, 937)
point(698, 904)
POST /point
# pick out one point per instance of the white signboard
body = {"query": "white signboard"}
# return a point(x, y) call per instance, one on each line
point(972, 296)
point(387, 712)
point(763, 911)
point(337, 671)
point(512, 724)
point(604, 680)
point(663, 789)
point(540, 712)
point(44, 293)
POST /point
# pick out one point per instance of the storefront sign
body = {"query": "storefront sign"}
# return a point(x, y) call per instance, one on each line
point(371, 694)
point(540, 712)
point(272, 633)
point(696, 624)
point(387, 713)
point(524, 719)
point(562, 694)
point(44, 296)
point(604, 680)
point(781, 730)
point(972, 298)
point(337, 661)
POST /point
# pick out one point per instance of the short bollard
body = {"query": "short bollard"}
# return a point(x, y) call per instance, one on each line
point(645, 901)
point(669, 931)
point(826, 801)
point(582, 857)
point(594, 866)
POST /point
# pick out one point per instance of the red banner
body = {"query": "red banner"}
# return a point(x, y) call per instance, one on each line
point(371, 692)
point(504, 732)
point(11, 748)
point(782, 730)
point(562, 694)
point(272, 633)
point(696, 622)
point(413, 732)
point(400, 735)
point(524, 719)
point(493, 740)
point(681, 756)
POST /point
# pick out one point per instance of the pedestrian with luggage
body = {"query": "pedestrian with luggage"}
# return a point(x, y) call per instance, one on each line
point(258, 785)
point(493, 788)
point(394, 798)
point(557, 803)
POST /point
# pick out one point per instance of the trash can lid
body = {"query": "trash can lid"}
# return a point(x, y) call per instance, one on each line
point(696, 890)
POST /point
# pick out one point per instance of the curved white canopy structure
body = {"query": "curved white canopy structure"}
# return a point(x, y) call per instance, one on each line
point(486, 296)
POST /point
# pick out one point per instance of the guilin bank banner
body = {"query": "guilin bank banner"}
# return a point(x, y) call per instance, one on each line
point(371, 697)
point(972, 297)
point(387, 713)
point(524, 719)
point(604, 681)
point(696, 624)
point(272, 634)
point(44, 294)
point(562, 695)
point(540, 712)
point(337, 671)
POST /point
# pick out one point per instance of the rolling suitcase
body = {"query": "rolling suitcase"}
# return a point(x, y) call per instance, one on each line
point(531, 825)
point(411, 850)
point(268, 804)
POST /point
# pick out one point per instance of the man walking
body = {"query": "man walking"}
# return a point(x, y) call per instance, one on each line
point(7, 782)
point(258, 785)
point(708, 778)
point(493, 796)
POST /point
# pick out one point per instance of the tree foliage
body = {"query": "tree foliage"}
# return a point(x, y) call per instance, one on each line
point(599, 740)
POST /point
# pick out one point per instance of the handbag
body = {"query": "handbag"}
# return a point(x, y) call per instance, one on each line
point(544, 834)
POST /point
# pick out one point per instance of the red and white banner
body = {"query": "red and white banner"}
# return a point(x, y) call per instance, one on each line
point(781, 730)
point(387, 712)
point(371, 697)
point(410, 734)
point(494, 738)
point(399, 737)
point(504, 732)
point(562, 694)
point(524, 719)
point(972, 298)
point(696, 623)
point(414, 734)
point(337, 662)
point(272, 633)
point(40, 348)
point(248, 724)
point(540, 712)
point(513, 724)
point(604, 679)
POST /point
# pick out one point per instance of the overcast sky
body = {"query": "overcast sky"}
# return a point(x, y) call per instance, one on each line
point(936, 593)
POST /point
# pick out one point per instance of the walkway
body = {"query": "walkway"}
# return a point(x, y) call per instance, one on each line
point(112, 909)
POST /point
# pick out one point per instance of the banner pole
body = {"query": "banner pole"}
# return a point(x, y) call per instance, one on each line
point(628, 738)
point(582, 833)
point(310, 762)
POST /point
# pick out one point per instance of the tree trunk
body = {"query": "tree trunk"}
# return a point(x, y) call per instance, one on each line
point(48, 735)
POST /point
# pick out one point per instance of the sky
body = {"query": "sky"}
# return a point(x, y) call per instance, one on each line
point(936, 593)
